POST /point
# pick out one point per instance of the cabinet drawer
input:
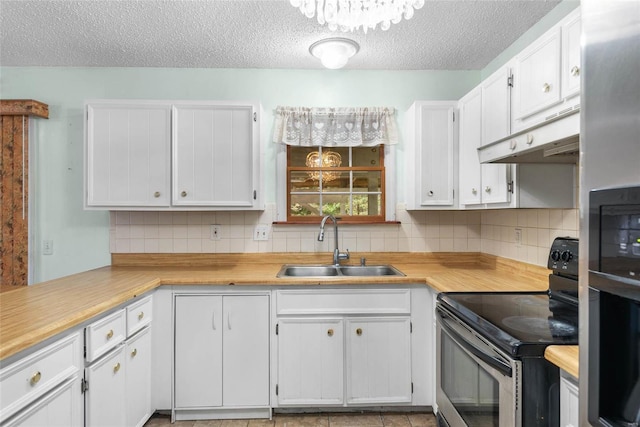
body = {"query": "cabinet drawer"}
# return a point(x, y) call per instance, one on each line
point(30, 378)
point(104, 334)
point(139, 315)
point(347, 301)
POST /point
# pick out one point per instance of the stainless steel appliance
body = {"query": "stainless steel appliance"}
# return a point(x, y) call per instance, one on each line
point(609, 140)
point(490, 347)
point(614, 307)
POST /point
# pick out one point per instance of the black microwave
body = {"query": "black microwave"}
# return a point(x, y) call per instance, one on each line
point(614, 307)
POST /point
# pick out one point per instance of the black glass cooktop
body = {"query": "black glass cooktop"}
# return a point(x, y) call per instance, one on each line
point(522, 324)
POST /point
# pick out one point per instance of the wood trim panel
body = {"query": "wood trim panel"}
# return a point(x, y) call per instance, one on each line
point(23, 107)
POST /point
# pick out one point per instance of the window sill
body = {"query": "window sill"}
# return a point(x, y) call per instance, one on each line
point(341, 222)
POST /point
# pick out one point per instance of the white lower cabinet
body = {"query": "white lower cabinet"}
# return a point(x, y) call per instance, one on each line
point(357, 342)
point(310, 361)
point(138, 378)
point(378, 360)
point(221, 355)
point(569, 400)
point(105, 393)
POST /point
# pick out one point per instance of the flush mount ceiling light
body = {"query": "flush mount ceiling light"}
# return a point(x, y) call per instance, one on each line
point(334, 52)
point(349, 15)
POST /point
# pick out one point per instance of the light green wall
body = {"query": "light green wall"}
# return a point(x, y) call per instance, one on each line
point(81, 238)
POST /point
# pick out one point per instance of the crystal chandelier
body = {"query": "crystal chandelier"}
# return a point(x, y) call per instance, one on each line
point(349, 15)
point(328, 159)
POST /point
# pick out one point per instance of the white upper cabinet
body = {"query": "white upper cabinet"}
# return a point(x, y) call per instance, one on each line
point(537, 76)
point(213, 151)
point(496, 105)
point(571, 56)
point(479, 184)
point(168, 155)
point(430, 140)
point(128, 157)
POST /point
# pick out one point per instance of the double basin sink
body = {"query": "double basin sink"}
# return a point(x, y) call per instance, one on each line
point(338, 270)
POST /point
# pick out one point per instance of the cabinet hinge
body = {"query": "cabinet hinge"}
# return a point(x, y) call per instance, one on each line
point(510, 81)
point(255, 116)
point(510, 187)
point(84, 385)
point(412, 387)
point(410, 327)
point(255, 194)
point(276, 389)
point(454, 116)
point(277, 324)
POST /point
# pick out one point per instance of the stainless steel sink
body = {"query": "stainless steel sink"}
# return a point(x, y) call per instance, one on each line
point(332, 270)
point(370, 270)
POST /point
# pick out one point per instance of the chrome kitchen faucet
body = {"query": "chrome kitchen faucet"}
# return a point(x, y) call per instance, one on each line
point(337, 255)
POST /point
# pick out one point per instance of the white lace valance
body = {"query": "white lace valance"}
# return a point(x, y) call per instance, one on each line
point(335, 127)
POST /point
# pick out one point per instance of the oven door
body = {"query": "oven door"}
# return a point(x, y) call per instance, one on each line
point(476, 384)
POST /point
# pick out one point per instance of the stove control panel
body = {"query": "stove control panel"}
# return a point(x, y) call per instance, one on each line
point(563, 257)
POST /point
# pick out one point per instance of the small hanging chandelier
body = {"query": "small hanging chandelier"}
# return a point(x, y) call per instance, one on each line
point(350, 15)
point(328, 159)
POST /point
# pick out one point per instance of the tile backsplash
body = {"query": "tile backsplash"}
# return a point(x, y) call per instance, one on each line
point(489, 231)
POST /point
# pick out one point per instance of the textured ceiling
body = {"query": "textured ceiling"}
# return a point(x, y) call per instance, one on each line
point(443, 35)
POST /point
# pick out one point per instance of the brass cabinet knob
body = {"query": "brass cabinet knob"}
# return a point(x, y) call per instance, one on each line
point(330, 332)
point(546, 87)
point(140, 315)
point(575, 71)
point(156, 194)
point(474, 191)
point(116, 367)
point(487, 189)
point(359, 331)
point(183, 194)
point(513, 144)
point(35, 378)
point(529, 139)
point(134, 352)
point(430, 193)
point(110, 334)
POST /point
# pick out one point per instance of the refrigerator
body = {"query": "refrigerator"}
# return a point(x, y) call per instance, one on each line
point(610, 128)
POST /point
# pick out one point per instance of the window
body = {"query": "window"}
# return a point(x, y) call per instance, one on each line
point(348, 182)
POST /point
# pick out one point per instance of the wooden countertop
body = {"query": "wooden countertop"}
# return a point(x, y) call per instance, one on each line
point(566, 357)
point(30, 315)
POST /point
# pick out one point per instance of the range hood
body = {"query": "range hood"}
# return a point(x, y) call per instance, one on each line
point(553, 141)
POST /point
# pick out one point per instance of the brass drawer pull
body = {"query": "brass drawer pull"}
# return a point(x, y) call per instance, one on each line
point(156, 194)
point(110, 334)
point(359, 331)
point(546, 88)
point(140, 315)
point(183, 194)
point(35, 378)
point(330, 332)
point(134, 353)
point(575, 71)
point(116, 367)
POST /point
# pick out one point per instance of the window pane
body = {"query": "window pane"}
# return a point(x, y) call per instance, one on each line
point(298, 155)
point(335, 181)
point(366, 156)
point(301, 181)
point(335, 204)
point(305, 204)
point(367, 181)
point(366, 204)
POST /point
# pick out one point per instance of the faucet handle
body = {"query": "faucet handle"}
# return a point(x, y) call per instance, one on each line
point(363, 261)
point(344, 255)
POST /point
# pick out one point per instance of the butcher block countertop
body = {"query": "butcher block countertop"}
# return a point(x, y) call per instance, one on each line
point(32, 314)
point(564, 356)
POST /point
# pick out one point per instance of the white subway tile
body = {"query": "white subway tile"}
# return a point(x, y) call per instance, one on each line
point(137, 246)
point(194, 246)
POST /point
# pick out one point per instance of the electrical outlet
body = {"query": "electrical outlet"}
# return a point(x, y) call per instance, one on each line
point(261, 232)
point(216, 232)
point(518, 236)
point(47, 247)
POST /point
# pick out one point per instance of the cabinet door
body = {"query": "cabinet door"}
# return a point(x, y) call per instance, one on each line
point(198, 351)
point(138, 381)
point(128, 154)
point(378, 360)
point(61, 407)
point(245, 347)
point(569, 399)
point(495, 183)
point(470, 137)
point(213, 155)
point(496, 106)
point(105, 397)
point(571, 56)
point(537, 76)
point(310, 362)
point(434, 155)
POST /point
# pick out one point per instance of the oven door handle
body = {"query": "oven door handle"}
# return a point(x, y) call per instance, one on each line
point(492, 361)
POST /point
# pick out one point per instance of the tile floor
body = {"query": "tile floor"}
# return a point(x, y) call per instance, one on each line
point(311, 420)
